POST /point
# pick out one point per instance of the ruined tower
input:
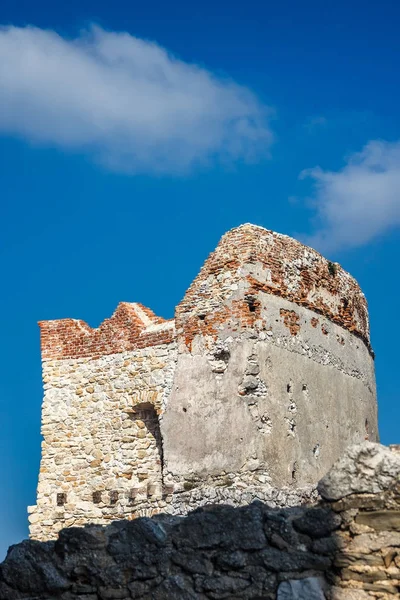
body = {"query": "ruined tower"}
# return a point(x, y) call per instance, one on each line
point(253, 390)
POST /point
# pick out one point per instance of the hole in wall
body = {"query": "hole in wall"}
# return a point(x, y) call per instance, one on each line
point(202, 317)
point(304, 387)
point(96, 497)
point(61, 499)
point(332, 268)
point(113, 497)
point(316, 450)
point(184, 409)
point(289, 388)
point(366, 429)
point(222, 354)
point(294, 471)
point(291, 430)
point(251, 303)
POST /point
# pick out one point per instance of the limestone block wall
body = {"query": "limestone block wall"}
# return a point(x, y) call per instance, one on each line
point(102, 449)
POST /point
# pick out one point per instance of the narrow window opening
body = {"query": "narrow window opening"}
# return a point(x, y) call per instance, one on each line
point(113, 497)
point(61, 499)
point(96, 497)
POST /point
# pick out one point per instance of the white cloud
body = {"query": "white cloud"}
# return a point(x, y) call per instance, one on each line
point(126, 100)
point(359, 202)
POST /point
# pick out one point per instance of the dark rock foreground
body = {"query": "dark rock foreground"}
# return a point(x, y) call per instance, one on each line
point(345, 548)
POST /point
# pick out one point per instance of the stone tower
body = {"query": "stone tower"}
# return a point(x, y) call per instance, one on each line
point(255, 388)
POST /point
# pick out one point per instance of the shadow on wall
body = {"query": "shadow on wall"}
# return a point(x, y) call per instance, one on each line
point(346, 547)
point(217, 552)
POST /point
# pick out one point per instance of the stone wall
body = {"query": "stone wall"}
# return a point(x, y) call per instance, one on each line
point(251, 392)
point(345, 547)
point(102, 449)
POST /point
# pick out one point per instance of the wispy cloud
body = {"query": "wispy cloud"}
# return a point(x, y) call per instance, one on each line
point(125, 100)
point(359, 202)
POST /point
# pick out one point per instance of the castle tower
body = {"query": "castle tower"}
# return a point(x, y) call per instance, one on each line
point(262, 379)
point(275, 373)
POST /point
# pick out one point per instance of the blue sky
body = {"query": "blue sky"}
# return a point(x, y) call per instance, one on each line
point(124, 158)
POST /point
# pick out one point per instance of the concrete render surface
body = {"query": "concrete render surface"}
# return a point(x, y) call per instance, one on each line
point(306, 400)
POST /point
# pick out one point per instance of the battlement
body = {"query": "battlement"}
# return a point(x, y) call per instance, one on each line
point(254, 389)
point(131, 326)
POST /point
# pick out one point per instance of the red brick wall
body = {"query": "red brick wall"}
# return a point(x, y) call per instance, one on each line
point(70, 338)
point(297, 273)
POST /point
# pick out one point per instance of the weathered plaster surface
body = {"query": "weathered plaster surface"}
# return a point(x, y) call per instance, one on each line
point(277, 404)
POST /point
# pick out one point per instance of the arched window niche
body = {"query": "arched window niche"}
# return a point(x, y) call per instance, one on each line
point(148, 447)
